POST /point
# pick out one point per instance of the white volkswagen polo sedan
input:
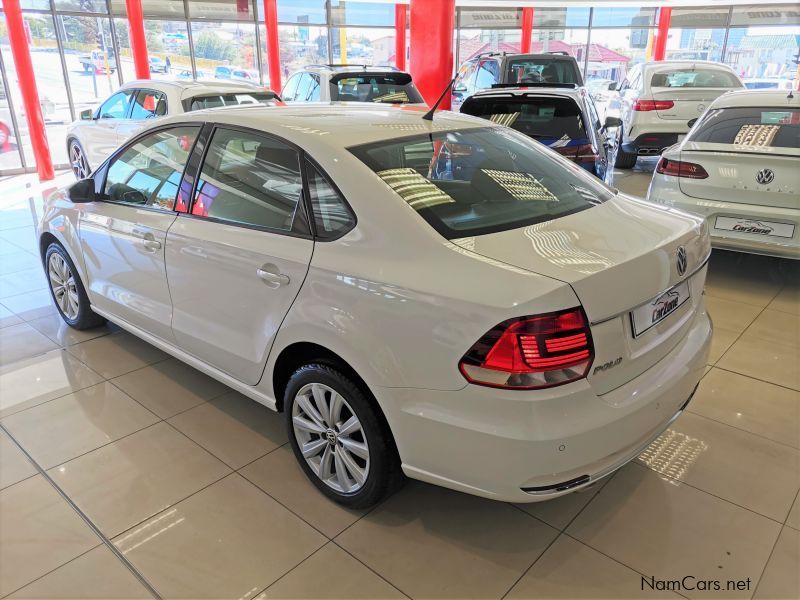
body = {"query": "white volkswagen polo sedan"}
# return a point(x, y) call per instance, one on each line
point(739, 168)
point(135, 104)
point(442, 299)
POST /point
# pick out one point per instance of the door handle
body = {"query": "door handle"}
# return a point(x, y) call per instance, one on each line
point(271, 274)
point(150, 242)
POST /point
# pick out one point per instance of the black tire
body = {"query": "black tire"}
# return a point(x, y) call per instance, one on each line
point(624, 160)
point(85, 318)
point(384, 475)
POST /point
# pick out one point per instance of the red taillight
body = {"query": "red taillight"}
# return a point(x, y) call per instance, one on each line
point(679, 168)
point(582, 153)
point(648, 105)
point(532, 352)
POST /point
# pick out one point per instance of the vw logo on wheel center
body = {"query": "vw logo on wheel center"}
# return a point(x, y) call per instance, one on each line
point(682, 260)
point(765, 176)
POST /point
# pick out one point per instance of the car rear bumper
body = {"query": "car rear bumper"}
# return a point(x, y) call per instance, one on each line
point(528, 446)
point(667, 192)
point(650, 143)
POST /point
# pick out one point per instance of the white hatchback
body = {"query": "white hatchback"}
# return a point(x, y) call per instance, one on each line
point(443, 299)
point(99, 131)
point(739, 168)
point(658, 99)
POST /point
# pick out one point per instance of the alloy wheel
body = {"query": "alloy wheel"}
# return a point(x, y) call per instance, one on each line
point(62, 282)
point(78, 162)
point(330, 437)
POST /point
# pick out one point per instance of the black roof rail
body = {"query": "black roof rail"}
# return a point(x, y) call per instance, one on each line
point(542, 84)
point(491, 53)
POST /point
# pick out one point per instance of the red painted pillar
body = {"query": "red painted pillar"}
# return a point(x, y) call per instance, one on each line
point(17, 37)
point(431, 46)
point(138, 40)
point(660, 43)
point(527, 25)
point(273, 44)
point(400, 36)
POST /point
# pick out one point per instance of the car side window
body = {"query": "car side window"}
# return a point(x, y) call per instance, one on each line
point(249, 179)
point(149, 171)
point(313, 92)
point(486, 75)
point(303, 88)
point(148, 104)
point(116, 107)
point(332, 216)
point(593, 113)
point(290, 89)
point(464, 81)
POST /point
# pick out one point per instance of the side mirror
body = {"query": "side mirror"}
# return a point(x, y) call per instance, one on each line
point(692, 122)
point(86, 115)
point(612, 87)
point(612, 122)
point(82, 191)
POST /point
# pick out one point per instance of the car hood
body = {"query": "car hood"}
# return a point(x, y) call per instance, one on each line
point(615, 256)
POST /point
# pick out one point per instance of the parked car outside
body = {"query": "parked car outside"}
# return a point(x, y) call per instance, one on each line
point(738, 168)
point(99, 131)
point(157, 65)
point(657, 100)
point(564, 119)
point(486, 70)
point(516, 332)
point(351, 83)
point(97, 61)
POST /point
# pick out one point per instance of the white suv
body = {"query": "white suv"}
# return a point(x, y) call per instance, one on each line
point(351, 83)
point(658, 99)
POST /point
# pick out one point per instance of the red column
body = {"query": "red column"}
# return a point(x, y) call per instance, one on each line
point(431, 46)
point(527, 25)
point(400, 36)
point(17, 37)
point(273, 44)
point(660, 42)
point(138, 40)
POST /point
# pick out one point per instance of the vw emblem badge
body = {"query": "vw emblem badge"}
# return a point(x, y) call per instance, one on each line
point(765, 176)
point(682, 260)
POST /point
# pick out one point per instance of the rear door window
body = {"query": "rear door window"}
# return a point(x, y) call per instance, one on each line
point(759, 127)
point(148, 104)
point(479, 181)
point(543, 118)
point(249, 179)
point(694, 78)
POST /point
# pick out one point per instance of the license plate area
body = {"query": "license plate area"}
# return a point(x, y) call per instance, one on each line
point(754, 226)
point(651, 313)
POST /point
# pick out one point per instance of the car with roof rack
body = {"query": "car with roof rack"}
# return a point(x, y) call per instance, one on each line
point(561, 116)
point(379, 84)
point(99, 130)
point(490, 68)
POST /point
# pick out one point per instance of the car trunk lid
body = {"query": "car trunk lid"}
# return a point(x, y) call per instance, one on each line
point(618, 256)
point(686, 103)
point(764, 177)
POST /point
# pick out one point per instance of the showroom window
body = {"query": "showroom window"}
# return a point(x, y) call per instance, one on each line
point(149, 172)
point(249, 179)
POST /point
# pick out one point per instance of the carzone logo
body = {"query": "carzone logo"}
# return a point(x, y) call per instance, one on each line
point(664, 304)
point(749, 226)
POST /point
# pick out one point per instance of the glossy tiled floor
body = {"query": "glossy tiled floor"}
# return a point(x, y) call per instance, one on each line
point(125, 474)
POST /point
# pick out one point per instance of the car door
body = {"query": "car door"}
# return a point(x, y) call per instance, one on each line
point(123, 235)
point(99, 138)
point(146, 104)
point(237, 259)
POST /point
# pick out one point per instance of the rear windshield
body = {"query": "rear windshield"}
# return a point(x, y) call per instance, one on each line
point(695, 78)
point(215, 100)
point(479, 181)
point(542, 70)
point(391, 88)
point(550, 118)
point(761, 127)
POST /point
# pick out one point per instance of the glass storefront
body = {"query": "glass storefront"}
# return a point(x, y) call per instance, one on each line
point(81, 49)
